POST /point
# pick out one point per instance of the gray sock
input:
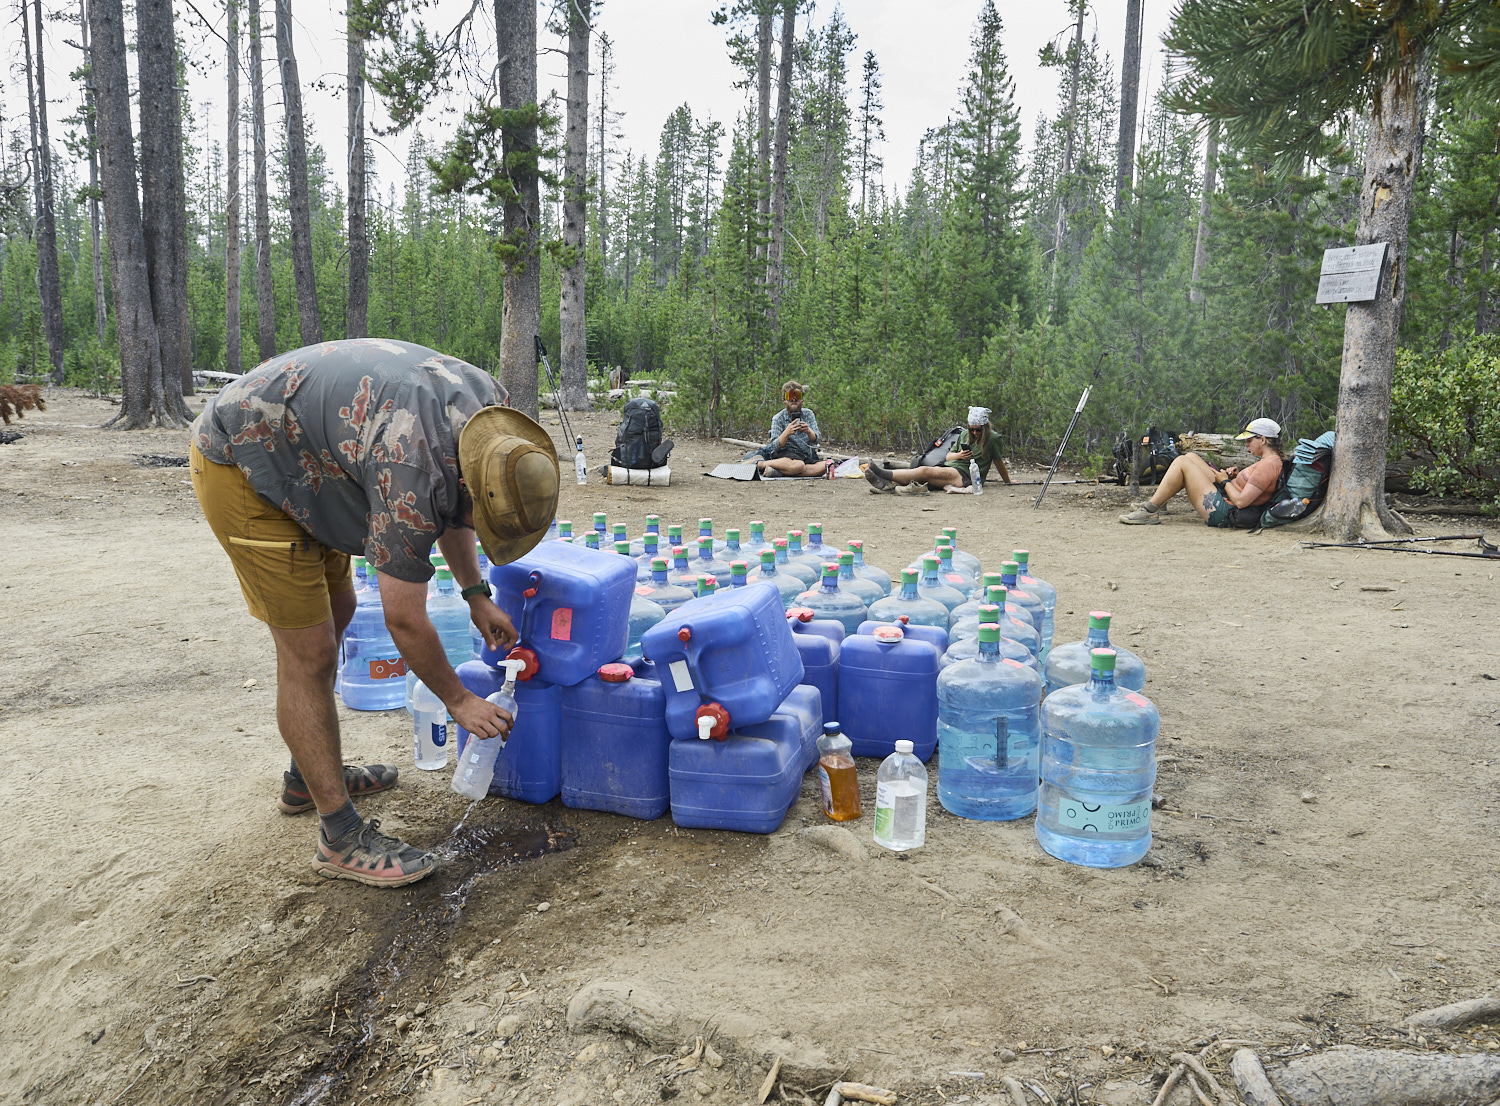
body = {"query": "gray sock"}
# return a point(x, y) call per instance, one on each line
point(341, 821)
point(1151, 508)
point(297, 772)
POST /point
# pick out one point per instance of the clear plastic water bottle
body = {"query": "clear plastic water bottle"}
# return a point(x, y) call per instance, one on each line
point(1098, 769)
point(785, 583)
point(757, 540)
point(974, 481)
point(966, 562)
point(988, 734)
point(644, 614)
point(982, 597)
point(901, 801)
point(815, 543)
point(739, 573)
point(476, 639)
point(1015, 623)
point(866, 591)
point(650, 550)
point(798, 554)
point(909, 604)
point(706, 562)
point(476, 765)
point(954, 577)
point(830, 601)
point(800, 569)
point(681, 573)
point(429, 729)
point(653, 530)
point(1071, 664)
point(661, 591)
point(731, 551)
point(449, 616)
point(580, 466)
point(706, 530)
point(864, 571)
point(931, 586)
point(601, 527)
point(966, 648)
point(1017, 596)
point(1028, 581)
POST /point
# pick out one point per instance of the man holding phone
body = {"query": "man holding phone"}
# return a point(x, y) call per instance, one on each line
point(793, 448)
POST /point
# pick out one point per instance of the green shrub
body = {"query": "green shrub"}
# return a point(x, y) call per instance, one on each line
point(1446, 407)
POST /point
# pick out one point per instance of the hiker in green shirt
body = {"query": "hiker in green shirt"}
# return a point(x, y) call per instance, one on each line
point(953, 474)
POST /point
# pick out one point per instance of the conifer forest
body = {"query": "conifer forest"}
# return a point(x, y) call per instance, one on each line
point(1163, 244)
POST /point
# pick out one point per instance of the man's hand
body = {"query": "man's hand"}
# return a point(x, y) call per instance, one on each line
point(493, 624)
point(481, 717)
point(962, 455)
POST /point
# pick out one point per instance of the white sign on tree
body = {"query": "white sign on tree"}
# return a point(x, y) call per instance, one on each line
point(1351, 274)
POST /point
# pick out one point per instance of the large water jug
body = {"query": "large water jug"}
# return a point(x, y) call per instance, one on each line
point(1019, 597)
point(877, 576)
point(1098, 769)
point(805, 704)
point(907, 605)
point(888, 691)
point(362, 594)
point(706, 530)
point(570, 606)
point(706, 564)
point(644, 614)
point(554, 529)
point(964, 562)
point(429, 729)
point(681, 573)
point(674, 537)
point(757, 540)
point(730, 658)
point(374, 675)
point(965, 648)
point(787, 586)
point(1015, 623)
point(797, 554)
point(653, 530)
point(650, 551)
point(866, 591)
point(476, 639)
point(816, 545)
point(449, 615)
point(1029, 582)
point(739, 574)
point(981, 598)
point(829, 601)
point(1072, 663)
point(732, 551)
point(614, 744)
point(930, 586)
point(901, 800)
point(951, 575)
point(746, 782)
point(806, 574)
point(936, 635)
point(819, 642)
point(473, 777)
point(988, 734)
point(661, 591)
point(529, 767)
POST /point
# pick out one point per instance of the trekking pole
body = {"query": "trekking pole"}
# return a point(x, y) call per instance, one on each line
point(1487, 552)
point(1062, 445)
point(541, 353)
point(1388, 541)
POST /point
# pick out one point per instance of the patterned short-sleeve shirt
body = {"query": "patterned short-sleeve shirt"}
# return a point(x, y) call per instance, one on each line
point(355, 440)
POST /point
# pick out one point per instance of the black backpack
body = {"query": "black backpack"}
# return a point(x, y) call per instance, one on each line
point(937, 452)
point(1160, 452)
point(638, 442)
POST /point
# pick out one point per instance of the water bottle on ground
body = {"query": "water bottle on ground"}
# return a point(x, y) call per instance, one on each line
point(907, 602)
point(799, 554)
point(950, 574)
point(837, 775)
point(988, 735)
point(739, 574)
point(1098, 768)
point(476, 766)
point(373, 669)
point(580, 466)
point(901, 801)
point(974, 478)
point(707, 563)
point(429, 729)
point(653, 530)
point(731, 551)
point(816, 545)
point(828, 600)
point(787, 585)
point(601, 526)
point(1071, 664)
point(1027, 580)
point(801, 570)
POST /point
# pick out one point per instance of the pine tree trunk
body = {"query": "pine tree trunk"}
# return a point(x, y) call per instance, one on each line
point(1130, 91)
point(163, 196)
point(232, 206)
point(763, 119)
point(575, 393)
point(1210, 182)
point(1067, 167)
point(521, 314)
point(298, 213)
point(778, 153)
point(49, 282)
point(602, 163)
point(1355, 507)
point(357, 324)
point(265, 293)
point(90, 116)
point(135, 326)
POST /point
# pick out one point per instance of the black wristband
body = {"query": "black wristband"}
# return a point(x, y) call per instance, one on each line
point(472, 590)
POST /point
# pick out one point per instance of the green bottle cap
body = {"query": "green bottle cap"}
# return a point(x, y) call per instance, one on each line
point(1011, 568)
point(952, 532)
point(757, 526)
point(705, 524)
point(941, 540)
point(653, 520)
point(794, 535)
point(992, 579)
point(706, 585)
point(997, 593)
point(767, 557)
point(444, 574)
point(732, 535)
point(674, 532)
point(930, 563)
point(1102, 661)
point(989, 631)
point(908, 576)
point(705, 543)
point(815, 528)
point(658, 564)
point(619, 530)
point(1021, 556)
point(739, 568)
point(846, 559)
point(831, 570)
point(622, 548)
point(600, 520)
point(856, 543)
point(360, 562)
point(564, 528)
point(989, 612)
point(1098, 620)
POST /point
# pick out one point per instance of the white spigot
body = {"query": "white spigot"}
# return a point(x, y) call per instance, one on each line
point(705, 724)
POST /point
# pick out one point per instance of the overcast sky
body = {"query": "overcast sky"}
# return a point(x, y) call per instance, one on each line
point(667, 52)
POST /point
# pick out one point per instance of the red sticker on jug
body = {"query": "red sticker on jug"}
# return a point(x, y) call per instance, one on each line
point(562, 624)
point(1012, 663)
point(955, 577)
point(387, 670)
point(644, 590)
point(1136, 699)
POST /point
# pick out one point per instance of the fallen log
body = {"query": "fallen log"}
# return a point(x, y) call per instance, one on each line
point(1250, 1078)
point(1352, 1076)
point(1456, 1014)
point(821, 451)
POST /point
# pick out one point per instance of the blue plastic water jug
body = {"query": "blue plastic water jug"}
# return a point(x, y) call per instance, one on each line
point(570, 606)
point(374, 675)
point(1071, 664)
point(819, 650)
point(909, 607)
point(787, 586)
point(614, 744)
point(888, 692)
point(866, 591)
point(1028, 581)
point(529, 767)
point(936, 635)
point(877, 576)
point(830, 601)
point(746, 782)
point(988, 734)
point(1098, 769)
point(802, 571)
point(805, 704)
point(666, 595)
point(729, 658)
point(931, 586)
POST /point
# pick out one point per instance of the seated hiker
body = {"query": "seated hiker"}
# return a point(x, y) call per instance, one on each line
point(792, 450)
point(952, 474)
point(1215, 493)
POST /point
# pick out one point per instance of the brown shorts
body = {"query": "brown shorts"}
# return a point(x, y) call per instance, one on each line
point(286, 576)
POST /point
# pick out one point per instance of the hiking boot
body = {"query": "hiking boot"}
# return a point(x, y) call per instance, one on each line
point(879, 478)
point(368, 856)
point(359, 780)
point(912, 489)
point(1141, 517)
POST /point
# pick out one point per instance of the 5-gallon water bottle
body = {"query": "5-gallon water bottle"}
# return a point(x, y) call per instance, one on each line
point(982, 597)
point(651, 549)
point(787, 585)
point(707, 585)
point(966, 648)
point(1071, 664)
point(918, 611)
point(1017, 596)
point(653, 530)
point(449, 616)
point(800, 569)
point(816, 545)
point(601, 525)
point(708, 564)
point(950, 574)
point(372, 677)
point(930, 586)
point(476, 766)
point(837, 776)
point(1015, 622)
point(757, 540)
point(476, 639)
point(878, 576)
point(739, 574)
point(901, 801)
point(797, 554)
point(829, 601)
point(706, 530)
point(731, 551)
point(966, 562)
point(866, 591)
point(661, 591)
point(644, 613)
point(674, 537)
point(681, 573)
point(564, 530)
point(620, 535)
point(1098, 769)
point(1030, 582)
point(988, 737)
point(580, 466)
point(429, 729)
point(591, 540)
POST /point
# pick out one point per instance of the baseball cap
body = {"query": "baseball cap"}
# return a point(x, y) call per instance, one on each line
point(1266, 428)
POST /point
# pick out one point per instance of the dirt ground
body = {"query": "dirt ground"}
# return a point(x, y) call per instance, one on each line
point(1324, 863)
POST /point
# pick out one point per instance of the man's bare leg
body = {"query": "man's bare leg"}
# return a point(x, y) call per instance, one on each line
point(306, 663)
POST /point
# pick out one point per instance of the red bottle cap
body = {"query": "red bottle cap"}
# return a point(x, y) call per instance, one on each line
point(684, 634)
point(719, 715)
point(888, 635)
point(533, 664)
point(801, 614)
point(615, 673)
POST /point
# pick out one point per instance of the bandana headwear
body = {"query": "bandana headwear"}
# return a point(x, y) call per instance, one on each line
point(979, 416)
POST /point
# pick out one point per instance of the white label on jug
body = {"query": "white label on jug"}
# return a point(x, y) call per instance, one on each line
point(1020, 746)
point(1103, 818)
point(884, 811)
point(682, 679)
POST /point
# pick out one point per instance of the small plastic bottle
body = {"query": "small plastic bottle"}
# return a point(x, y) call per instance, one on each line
point(974, 478)
point(476, 766)
point(901, 801)
point(837, 775)
point(580, 466)
point(429, 729)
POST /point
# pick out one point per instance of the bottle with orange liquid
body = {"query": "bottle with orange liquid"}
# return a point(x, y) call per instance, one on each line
point(836, 774)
